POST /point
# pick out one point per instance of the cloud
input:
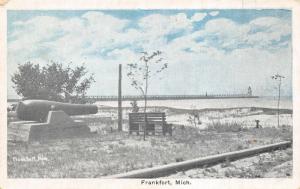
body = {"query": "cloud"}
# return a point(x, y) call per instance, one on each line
point(213, 13)
point(220, 56)
point(268, 30)
point(108, 23)
point(159, 25)
point(198, 17)
point(225, 34)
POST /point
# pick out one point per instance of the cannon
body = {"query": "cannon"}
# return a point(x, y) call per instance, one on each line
point(37, 110)
point(43, 120)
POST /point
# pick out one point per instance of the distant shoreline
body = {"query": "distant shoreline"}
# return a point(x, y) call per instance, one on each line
point(168, 97)
point(159, 97)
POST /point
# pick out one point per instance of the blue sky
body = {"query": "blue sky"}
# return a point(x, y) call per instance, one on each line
point(214, 51)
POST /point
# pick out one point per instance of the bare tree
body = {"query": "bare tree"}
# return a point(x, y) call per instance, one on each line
point(141, 72)
point(278, 78)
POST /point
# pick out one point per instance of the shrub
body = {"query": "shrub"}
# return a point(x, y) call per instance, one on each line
point(179, 159)
point(134, 105)
point(224, 127)
point(52, 82)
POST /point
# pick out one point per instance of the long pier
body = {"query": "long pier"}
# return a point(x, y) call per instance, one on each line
point(168, 97)
point(159, 97)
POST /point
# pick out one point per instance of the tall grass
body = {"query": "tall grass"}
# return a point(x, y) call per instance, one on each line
point(225, 127)
point(117, 152)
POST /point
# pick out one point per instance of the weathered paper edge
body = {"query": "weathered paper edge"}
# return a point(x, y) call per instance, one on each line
point(5, 5)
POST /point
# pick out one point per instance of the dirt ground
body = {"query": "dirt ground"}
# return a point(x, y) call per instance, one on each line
point(267, 165)
point(110, 152)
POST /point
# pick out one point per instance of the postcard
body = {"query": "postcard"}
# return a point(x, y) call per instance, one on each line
point(133, 94)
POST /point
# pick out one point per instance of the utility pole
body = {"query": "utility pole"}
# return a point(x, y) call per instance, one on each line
point(120, 120)
point(278, 78)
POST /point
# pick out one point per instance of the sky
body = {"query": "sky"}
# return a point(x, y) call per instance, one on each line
point(207, 51)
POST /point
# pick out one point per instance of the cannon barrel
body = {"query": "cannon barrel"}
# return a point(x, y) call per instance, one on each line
point(37, 110)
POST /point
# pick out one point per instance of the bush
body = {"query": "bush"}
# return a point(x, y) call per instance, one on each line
point(135, 107)
point(224, 127)
point(52, 82)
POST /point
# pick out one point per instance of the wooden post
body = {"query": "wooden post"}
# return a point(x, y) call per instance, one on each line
point(120, 120)
point(257, 123)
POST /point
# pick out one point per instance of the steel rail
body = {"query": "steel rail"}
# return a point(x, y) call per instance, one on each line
point(165, 170)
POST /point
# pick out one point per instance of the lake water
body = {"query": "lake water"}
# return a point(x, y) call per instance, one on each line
point(266, 102)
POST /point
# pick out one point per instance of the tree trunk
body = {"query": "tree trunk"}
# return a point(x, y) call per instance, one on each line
point(145, 98)
point(145, 116)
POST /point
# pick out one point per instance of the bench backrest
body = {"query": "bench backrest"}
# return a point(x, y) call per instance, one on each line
point(152, 117)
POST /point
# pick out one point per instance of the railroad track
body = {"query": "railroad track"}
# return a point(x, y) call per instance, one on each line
point(169, 169)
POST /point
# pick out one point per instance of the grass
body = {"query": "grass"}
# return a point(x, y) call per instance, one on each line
point(111, 152)
point(259, 168)
point(269, 164)
point(224, 127)
point(119, 152)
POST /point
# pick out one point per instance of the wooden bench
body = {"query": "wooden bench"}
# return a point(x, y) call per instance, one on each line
point(156, 123)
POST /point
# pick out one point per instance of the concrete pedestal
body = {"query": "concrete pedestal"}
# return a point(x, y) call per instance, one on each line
point(58, 125)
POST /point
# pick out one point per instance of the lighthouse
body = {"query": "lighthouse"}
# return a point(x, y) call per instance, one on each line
point(249, 91)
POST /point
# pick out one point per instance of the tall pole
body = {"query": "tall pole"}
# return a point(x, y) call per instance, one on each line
point(278, 77)
point(278, 103)
point(120, 99)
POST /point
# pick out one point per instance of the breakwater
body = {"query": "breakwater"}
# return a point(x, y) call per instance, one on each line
point(169, 97)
